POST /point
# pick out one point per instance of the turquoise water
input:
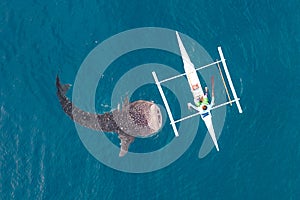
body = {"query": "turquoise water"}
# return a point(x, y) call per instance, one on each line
point(41, 155)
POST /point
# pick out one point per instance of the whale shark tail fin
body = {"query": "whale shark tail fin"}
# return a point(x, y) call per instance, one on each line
point(62, 88)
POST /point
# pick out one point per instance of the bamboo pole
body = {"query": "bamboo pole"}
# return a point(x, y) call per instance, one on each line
point(224, 84)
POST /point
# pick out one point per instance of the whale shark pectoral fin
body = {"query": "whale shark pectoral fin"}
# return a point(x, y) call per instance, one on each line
point(126, 140)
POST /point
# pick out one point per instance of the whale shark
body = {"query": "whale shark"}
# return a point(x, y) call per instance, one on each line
point(135, 119)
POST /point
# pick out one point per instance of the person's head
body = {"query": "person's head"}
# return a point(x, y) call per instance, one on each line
point(204, 107)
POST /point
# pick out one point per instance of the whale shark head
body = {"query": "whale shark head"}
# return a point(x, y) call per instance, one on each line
point(155, 120)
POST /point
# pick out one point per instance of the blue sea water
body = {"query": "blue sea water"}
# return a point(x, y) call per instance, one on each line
point(41, 155)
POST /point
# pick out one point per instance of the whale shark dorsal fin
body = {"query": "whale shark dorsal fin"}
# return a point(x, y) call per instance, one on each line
point(126, 140)
point(125, 102)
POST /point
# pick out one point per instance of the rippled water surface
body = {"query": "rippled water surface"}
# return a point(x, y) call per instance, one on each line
point(41, 155)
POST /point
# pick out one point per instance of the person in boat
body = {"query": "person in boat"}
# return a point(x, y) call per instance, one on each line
point(197, 99)
point(202, 103)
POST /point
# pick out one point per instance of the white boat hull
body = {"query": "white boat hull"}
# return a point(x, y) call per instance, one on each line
point(196, 88)
point(208, 122)
point(190, 71)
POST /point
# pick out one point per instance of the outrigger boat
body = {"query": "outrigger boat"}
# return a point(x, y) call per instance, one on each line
point(197, 91)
